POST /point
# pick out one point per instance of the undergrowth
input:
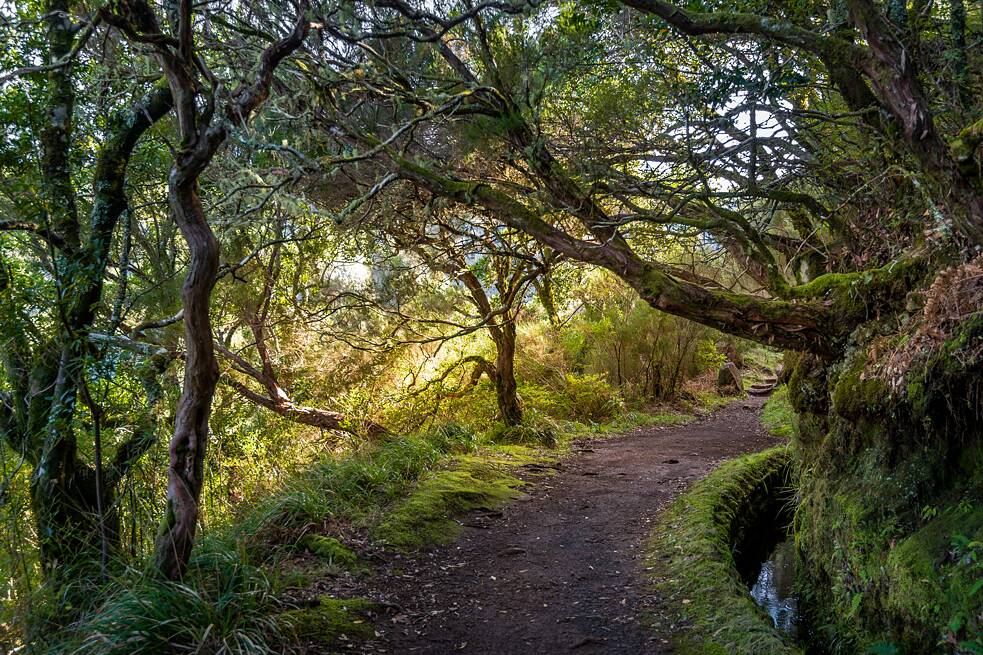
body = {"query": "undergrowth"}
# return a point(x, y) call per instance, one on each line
point(223, 606)
point(405, 493)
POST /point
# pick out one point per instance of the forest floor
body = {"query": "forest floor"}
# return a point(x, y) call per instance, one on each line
point(562, 569)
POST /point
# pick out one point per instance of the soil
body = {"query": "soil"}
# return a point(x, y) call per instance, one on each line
point(562, 569)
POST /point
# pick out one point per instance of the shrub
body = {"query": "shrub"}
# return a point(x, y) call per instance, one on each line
point(586, 398)
point(589, 398)
point(708, 357)
point(224, 607)
point(537, 429)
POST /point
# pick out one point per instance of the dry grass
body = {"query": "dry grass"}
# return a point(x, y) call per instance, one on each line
point(955, 296)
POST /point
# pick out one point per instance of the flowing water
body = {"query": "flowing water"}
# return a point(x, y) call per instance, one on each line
point(774, 589)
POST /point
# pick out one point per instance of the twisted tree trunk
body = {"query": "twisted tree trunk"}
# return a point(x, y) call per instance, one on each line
point(188, 443)
point(203, 131)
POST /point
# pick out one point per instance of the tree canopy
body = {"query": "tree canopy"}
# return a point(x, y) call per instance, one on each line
point(322, 209)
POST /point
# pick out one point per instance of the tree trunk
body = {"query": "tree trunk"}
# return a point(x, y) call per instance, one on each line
point(70, 533)
point(960, 63)
point(506, 387)
point(202, 134)
point(188, 443)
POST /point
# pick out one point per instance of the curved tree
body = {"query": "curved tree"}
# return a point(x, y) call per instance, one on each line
point(62, 233)
point(827, 154)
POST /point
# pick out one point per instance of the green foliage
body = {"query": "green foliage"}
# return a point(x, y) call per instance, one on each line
point(645, 354)
point(224, 606)
point(778, 416)
point(707, 357)
point(356, 486)
point(535, 430)
point(586, 398)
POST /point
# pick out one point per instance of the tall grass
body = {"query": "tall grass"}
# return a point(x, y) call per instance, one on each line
point(355, 488)
point(224, 607)
point(778, 416)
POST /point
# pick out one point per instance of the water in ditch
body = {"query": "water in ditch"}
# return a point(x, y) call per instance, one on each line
point(774, 589)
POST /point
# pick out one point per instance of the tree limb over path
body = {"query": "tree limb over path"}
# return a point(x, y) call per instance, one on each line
point(889, 78)
point(810, 325)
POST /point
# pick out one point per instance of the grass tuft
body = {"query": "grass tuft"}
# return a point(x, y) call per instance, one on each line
point(224, 607)
point(778, 416)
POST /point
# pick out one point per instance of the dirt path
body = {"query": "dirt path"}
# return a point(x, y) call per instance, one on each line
point(560, 571)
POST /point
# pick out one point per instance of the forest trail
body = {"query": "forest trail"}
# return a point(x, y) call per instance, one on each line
point(560, 571)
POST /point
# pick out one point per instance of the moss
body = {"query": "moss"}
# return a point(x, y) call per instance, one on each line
point(807, 386)
point(778, 416)
point(963, 147)
point(855, 289)
point(884, 498)
point(938, 561)
point(695, 572)
point(330, 621)
point(856, 396)
point(426, 517)
point(331, 550)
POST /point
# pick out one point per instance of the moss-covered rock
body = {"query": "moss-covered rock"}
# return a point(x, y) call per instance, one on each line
point(891, 481)
point(330, 620)
point(856, 396)
point(329, 549)
point(939, 560)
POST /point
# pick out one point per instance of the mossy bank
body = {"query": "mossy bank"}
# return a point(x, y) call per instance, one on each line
point(890, 522)
point(706, 546)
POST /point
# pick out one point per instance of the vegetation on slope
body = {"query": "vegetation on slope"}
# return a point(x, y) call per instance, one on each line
point(778, 416)
point(870, 566)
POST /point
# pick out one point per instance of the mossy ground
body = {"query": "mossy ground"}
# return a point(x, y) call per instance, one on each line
point(690, 554)
point(330, 621)
point(483, 481)
point(331, 551)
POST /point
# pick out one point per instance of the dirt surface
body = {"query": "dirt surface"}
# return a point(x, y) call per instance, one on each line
point(562, 570)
